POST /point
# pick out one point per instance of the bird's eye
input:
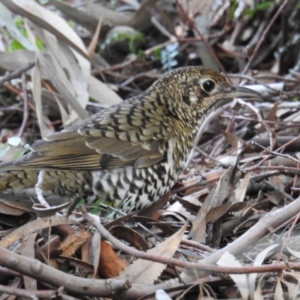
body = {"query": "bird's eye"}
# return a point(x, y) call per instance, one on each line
point(208, 85)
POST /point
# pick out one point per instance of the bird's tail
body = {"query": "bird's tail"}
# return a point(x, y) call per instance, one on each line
point(17, 180)
point(18, 186)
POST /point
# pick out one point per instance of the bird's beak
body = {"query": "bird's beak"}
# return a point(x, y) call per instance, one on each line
point(240, 92)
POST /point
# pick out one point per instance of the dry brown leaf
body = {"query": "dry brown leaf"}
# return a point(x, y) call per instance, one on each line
point(129, 235)
point(110, 265)
point(270, 117)
point(48, 20)
point(49, 249)
point(77, 263)
point(72, 242)
point(96, 251)
point(235, 141)
point(240, 191)
point(91, 252)
point(94, 42)
point(77, 15)
point(142, 18)
point(222, 190)
point(102, 93)
point(259, 259)
point(16, 60)
point(61, 84)
point(146, 272)
point(68, 77)
point(216, 213)
point(33, 227)
point(188, 205)
point(109, 16)
point(13, 208)
point(241, 280)
point(37, 96)
point(149, 221)
point(279, 294)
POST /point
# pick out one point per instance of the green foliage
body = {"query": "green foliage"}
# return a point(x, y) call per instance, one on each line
point(140, 53)
point(70, 23)
point(156, 54)
point(80, 202)
point(138, 37)
point(132, 39)
point(95, 207)
point(258, 7)
point(14, 45)
point(19, 22)
point(232, 10)
point(39, 44)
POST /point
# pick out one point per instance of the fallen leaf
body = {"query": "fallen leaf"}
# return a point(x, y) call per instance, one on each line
point(146, 272)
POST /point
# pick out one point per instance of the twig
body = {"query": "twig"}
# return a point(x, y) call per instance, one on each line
point(17, 92)
point(162, 29)
point(282, 169)
point(251, 237)
point(198, 245)
point(25, 105)
point(277, 153)
point(200, 265)
point(31, 294)
point(16, 74)
point(263, 36)
point(43, 273)
point(115, 67)
point(279, 149)
point(192, 24)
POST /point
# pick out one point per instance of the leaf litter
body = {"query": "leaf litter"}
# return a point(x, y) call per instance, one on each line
point(243, 171)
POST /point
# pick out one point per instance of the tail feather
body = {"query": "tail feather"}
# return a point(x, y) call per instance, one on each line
point(17, 180)
point(18, 186)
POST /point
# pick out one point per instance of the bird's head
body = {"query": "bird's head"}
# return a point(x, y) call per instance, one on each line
point(195, 91)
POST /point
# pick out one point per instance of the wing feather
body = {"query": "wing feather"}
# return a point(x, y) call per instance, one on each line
point(99, 142)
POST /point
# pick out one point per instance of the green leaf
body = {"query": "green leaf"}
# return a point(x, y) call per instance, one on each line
point(19, 22)
point(39, 44)
point(258, 7)
point(232, 10)
point(14, 46)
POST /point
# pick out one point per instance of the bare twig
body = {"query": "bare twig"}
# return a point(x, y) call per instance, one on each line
point(200, 265)
point(277, 153)
point(31, 294)
point(192, 24)
point(263, 36)
point(25, 105)
point(16, 74)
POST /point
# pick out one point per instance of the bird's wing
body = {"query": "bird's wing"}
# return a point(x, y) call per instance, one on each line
point(116, 137)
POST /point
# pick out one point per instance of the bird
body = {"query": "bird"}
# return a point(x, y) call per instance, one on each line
point(130, 153)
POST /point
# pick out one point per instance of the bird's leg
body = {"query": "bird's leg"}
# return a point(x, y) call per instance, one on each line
point(74, 204)
point(39, 190)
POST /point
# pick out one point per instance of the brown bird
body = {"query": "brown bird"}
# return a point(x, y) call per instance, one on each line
point(130, 153)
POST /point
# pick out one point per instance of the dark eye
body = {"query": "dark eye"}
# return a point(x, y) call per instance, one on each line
point(208, 85)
